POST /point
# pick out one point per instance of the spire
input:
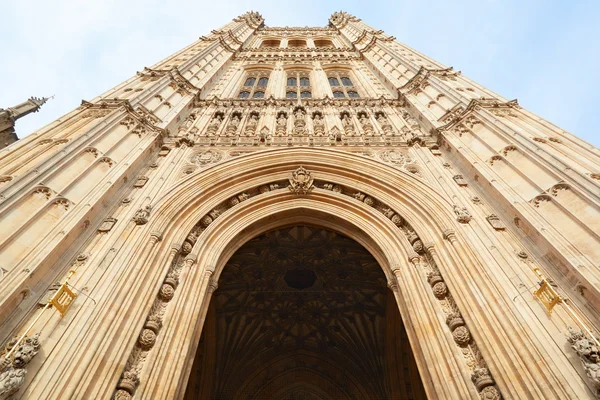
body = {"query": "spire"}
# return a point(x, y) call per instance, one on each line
point(9, 116)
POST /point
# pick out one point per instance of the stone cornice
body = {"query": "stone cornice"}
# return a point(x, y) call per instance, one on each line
point(417, 82)
point(177, 79)
point(141, 115)
point(458, 113)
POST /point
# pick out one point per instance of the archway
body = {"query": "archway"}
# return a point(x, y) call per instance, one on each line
point(435, 274)
point(303, 312)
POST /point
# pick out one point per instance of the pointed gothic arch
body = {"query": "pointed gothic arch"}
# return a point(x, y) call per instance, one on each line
point(421, 207)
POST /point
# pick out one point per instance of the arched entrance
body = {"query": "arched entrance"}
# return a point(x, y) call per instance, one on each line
point(303, 312)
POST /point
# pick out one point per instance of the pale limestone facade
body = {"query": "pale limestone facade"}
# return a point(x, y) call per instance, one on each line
point(147, 191)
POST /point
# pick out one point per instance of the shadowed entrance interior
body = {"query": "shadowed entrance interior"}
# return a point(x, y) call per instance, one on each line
point(303, 313)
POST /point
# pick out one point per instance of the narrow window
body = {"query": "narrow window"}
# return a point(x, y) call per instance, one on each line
point(305, 95)
point(244, 95)
point(291, 95)
point(250, 82)
point(338, 95)
point(304, 82)
point(291, 82)
point(258, 95)
point(262, 82)
point(352, 94)
point(334, 82)
point(346, 81)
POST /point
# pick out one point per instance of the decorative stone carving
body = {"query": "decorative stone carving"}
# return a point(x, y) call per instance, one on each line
point(214, 125)
point(147, 339)
point(107, 224)
point(13, 369)
point(129, 381)
point(299, 121)
point(347, 124)
point(385, 124)
point(206, 157)
point(440, 290)
point(251, 125)
point(332, 187)
point(495, 222)
point(281, 128)
point(481, 378)
point(141, 216)
point(10, 381)
point(490, 393)
point(232, 127)
point(140, 181)
point(454, 320)
point(460, 180)
point(166, 292)
point(588, 353)
point(187, 124)
point(318, 124)
point(461, 336)
point(366, 124)
point(301, 181)
point(462, 214)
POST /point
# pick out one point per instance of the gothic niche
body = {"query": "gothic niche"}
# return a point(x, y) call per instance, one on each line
point(234, 123)
point(214, 124)
point(318, 124)
point(303, 313)
point(251, 124)
point(281, 128)
point(299, 121)
point(347, 123)
point(365, 123)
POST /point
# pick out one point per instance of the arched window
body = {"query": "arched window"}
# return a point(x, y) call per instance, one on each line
point(293, 78)
point(347, 88)
point(305, 95)
point(254, 85)
point(338, 95)
point(333, 81)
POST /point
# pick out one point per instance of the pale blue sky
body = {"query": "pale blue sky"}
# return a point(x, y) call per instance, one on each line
point(543, 53)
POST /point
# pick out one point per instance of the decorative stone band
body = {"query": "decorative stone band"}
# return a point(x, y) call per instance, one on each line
point(140, 119)
point(457, 114)
point(421, 259)
point(130, 379)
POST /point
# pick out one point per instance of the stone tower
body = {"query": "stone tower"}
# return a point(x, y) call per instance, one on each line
point(368, 223)
point(9, 116)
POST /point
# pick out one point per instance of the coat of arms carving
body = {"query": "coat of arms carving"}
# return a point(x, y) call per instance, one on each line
point(301, 181)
